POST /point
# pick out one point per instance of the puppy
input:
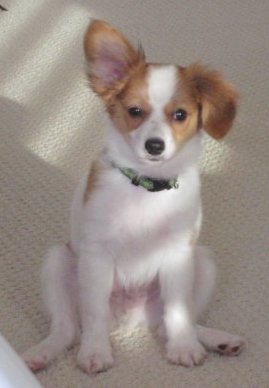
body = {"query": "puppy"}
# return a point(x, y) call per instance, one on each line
point(136, 217)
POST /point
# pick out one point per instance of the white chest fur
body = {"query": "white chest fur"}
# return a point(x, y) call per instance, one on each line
point(135, 226)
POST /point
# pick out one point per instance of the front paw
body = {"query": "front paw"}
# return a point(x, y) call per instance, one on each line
point(95, 360)
point(187, 353)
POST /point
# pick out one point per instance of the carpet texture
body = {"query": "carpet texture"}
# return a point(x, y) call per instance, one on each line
point(51, 129)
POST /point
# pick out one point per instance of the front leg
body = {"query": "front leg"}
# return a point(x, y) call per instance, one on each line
point(176, 281)
point(95, 285)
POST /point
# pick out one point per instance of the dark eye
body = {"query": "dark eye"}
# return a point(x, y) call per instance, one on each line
point(180, 115)
point(135, 112)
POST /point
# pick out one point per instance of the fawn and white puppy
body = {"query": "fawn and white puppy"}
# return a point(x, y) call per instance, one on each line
point(136, 216)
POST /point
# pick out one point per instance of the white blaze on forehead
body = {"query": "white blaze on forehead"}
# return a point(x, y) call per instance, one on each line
point(162, 82)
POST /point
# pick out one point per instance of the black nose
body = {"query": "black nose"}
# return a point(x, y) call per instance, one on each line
point(154, 146)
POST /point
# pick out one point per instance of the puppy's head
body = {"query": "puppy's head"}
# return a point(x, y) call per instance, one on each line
point(156, 108)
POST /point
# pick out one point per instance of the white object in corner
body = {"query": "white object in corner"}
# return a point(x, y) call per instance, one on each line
point(13, 372)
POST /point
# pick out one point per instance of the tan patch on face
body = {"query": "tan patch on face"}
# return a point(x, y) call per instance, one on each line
point(182, 130)
point(134, 94)
point(93, 179)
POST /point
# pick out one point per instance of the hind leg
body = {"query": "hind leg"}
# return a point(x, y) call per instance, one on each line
point(204, 280)
point(212, 339)
point(60, 294)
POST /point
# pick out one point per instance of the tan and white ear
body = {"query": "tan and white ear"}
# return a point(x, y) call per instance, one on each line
point(110, 57)
point(216, 98)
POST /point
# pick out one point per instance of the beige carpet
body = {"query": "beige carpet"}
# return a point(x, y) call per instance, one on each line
point(51, 127)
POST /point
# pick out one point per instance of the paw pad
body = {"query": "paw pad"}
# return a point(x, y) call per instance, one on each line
point(230, 349)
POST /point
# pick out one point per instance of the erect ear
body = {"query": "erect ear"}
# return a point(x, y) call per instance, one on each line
point(110, 56)
point(216, 98)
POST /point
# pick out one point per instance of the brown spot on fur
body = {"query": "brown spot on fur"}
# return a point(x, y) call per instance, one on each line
point(134, 94)
point(217, 98)
point(182, 131)
point(93, 179)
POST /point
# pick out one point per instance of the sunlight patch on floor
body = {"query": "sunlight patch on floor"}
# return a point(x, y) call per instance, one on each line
point(48, 79)
point(23, 19)
point(64, 127)
point(34, 70)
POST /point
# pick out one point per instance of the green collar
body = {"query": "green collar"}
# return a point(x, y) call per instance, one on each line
point(150, 184)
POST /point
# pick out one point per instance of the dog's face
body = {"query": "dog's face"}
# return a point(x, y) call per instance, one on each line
point(154, 113)
point(156, 108)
